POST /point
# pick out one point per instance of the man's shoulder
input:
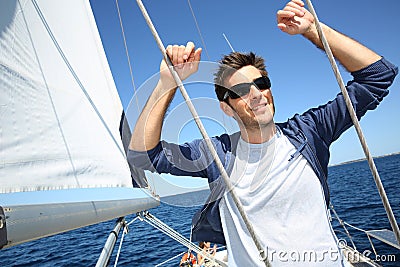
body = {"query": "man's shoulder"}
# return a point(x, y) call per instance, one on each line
point(299, 126)
point(226, 141)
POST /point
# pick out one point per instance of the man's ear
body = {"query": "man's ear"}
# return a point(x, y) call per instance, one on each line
point(226, 108)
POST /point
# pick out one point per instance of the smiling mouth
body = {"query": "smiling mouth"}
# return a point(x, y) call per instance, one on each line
point(258, 107)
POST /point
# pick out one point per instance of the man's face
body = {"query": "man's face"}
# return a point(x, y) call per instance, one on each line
point(254, 110)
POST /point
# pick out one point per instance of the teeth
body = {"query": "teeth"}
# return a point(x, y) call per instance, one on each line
point(258, 107)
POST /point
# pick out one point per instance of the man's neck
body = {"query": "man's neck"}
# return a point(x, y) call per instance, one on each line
point(258, 135)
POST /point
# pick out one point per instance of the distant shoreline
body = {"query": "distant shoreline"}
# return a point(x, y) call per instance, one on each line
point(363, 159)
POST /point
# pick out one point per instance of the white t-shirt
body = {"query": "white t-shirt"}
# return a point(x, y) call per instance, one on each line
point(284, 202)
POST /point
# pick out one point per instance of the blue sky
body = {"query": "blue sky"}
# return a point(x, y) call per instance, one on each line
point(301, 74)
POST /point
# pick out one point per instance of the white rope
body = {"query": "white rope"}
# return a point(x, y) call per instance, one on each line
point(119, 247)
point(206, 138)
point(124, 232)
point(357, 126)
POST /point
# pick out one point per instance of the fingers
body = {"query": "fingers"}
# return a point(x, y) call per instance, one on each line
point(297, 7)
point(294, 17)
point(197, 54)
point(180, 54)
point(188, 50)
point(293, 8)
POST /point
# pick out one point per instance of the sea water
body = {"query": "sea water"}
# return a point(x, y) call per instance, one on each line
point(353, 195)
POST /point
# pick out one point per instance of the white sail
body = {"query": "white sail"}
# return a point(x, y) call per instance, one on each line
point(54, 136)
point(59, 112)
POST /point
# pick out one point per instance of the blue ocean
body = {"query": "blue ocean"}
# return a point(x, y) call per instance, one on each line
point(353, 194)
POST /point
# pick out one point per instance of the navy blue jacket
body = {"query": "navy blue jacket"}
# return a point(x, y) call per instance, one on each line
point(311, 133)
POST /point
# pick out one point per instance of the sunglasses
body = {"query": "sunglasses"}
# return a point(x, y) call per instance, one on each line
point(242, 89)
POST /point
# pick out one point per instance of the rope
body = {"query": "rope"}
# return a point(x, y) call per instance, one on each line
point(357, 126)
point(124, 232)
point(158, 224)
point(206, 138)
point(119, 248)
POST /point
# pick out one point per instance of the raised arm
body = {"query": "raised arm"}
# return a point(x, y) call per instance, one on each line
point(295, 19)
point(147, 132)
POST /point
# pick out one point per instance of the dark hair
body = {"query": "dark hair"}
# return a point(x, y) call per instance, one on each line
point(230, 64)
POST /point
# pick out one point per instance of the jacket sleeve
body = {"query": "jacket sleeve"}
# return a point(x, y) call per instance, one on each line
point(188, 159)
point(366, 91)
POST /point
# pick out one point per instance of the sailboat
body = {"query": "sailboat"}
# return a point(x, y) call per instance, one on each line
point(63, 163)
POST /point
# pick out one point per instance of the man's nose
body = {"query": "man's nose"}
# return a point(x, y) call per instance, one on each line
point(254, 92)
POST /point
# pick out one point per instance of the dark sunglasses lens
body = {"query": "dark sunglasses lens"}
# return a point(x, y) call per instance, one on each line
point(239, 90)
point(262, 83)
point(243, 89)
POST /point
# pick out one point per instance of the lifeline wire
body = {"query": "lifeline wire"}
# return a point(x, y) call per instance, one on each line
point(205, 135)
point(160, 225)
point(357, 126)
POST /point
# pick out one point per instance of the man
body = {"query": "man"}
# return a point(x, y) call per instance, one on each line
point(279, 170)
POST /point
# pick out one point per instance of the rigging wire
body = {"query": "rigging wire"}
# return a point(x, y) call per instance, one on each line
point(158, 224)
point(198, 29)
point(206, 138)
point(153, 190)
point(170, 259)
point(229, 43)
point(203, 43)
point(357, 126)
point(127, 55)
